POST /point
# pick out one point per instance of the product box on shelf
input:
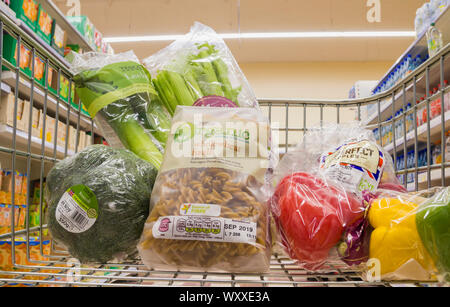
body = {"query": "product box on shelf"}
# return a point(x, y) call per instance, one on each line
point(98, 40)
point(7, 109)
point(64, 88)
point(82, 140)
point(24, 121)
point(85, 27)
point(59, 38)
point(10, 54)
point(35, 122)
point(50, 129)
point(39, 70)
point(7, 181)
point(61, 134)
point(21, 257)
point(44, 25)
point(72, 138)
point(26, 11)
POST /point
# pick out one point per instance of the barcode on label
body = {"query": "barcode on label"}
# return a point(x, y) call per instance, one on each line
point(79, 219)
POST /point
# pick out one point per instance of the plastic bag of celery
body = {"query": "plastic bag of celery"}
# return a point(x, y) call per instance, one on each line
point(117, 91)
point(199, 65)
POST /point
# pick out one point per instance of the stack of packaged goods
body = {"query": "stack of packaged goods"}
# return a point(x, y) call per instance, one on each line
point(403, 69)
point(92, 35)
point(428, 13)
point(37, 124)
point(6, 202)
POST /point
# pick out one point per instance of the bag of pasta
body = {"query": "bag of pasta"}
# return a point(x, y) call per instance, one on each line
point(210, 198)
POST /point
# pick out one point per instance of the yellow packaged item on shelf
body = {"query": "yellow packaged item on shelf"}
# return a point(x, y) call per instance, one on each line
point(20, 252)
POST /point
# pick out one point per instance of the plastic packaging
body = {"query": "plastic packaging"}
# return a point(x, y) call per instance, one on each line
point(432, 222)
point(434, 39)
point(320, 186)
point(98, 202)
point(409, 240)
point(395, 245)
point(210, 198)
point(197, 67)
point(118, 93)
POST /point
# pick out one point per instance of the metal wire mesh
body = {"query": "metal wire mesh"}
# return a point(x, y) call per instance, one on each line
point(42, 263)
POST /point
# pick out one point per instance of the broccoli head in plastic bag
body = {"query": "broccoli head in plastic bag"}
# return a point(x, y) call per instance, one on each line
point(98, 202)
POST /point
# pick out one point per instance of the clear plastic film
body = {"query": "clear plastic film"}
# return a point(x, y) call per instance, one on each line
point(210, 198)
point(117, 91)
point(409, 235)
point(319, 202)
point(98, 203)
point(199, 69)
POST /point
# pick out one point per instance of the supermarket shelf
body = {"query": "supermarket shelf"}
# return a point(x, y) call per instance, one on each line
point(419, 46)
point(284, 272)
point(35, 37)
point(434, 79)
point(73, 35)
point(6, 137)
point(9, 77)
point(435, 179)
point(435, 134)
point(435, 176)
point(386, 105)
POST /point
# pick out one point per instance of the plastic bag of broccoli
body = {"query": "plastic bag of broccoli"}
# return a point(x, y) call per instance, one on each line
point(199, 69)
point(98, 202)
point(117, 91)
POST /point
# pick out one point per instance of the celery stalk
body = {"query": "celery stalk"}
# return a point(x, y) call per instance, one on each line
point(179, 88)
point(206, 76)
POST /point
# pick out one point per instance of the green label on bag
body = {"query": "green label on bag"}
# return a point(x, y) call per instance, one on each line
point(77, 209)
point(101, 87)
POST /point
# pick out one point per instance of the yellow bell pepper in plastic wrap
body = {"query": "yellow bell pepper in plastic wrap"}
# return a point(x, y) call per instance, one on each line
point(395, 241)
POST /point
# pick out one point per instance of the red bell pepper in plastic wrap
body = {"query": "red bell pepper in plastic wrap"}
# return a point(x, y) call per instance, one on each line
point(319, 204)
point(311, 216)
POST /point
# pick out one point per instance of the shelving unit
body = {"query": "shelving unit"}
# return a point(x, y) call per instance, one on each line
point(435, 134)
point(6, 136)
point(283, 271)
point(419, 46)
point(9, 78)
point(74, 37)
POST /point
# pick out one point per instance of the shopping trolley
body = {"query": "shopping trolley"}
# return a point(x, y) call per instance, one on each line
point(35, 260)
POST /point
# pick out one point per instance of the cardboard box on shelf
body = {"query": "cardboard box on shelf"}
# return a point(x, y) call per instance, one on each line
point(20, 107)
point(41, 123)
point(61, 134)
point(50, 129)
point(7, 109)
point(82, 140)
point(35, 122)
point(24, 122)
point(72, 138)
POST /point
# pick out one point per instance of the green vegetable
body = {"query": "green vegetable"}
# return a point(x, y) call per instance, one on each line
point(122, 184)
point(433, 225)
point(122, 94)
point(204, 74)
